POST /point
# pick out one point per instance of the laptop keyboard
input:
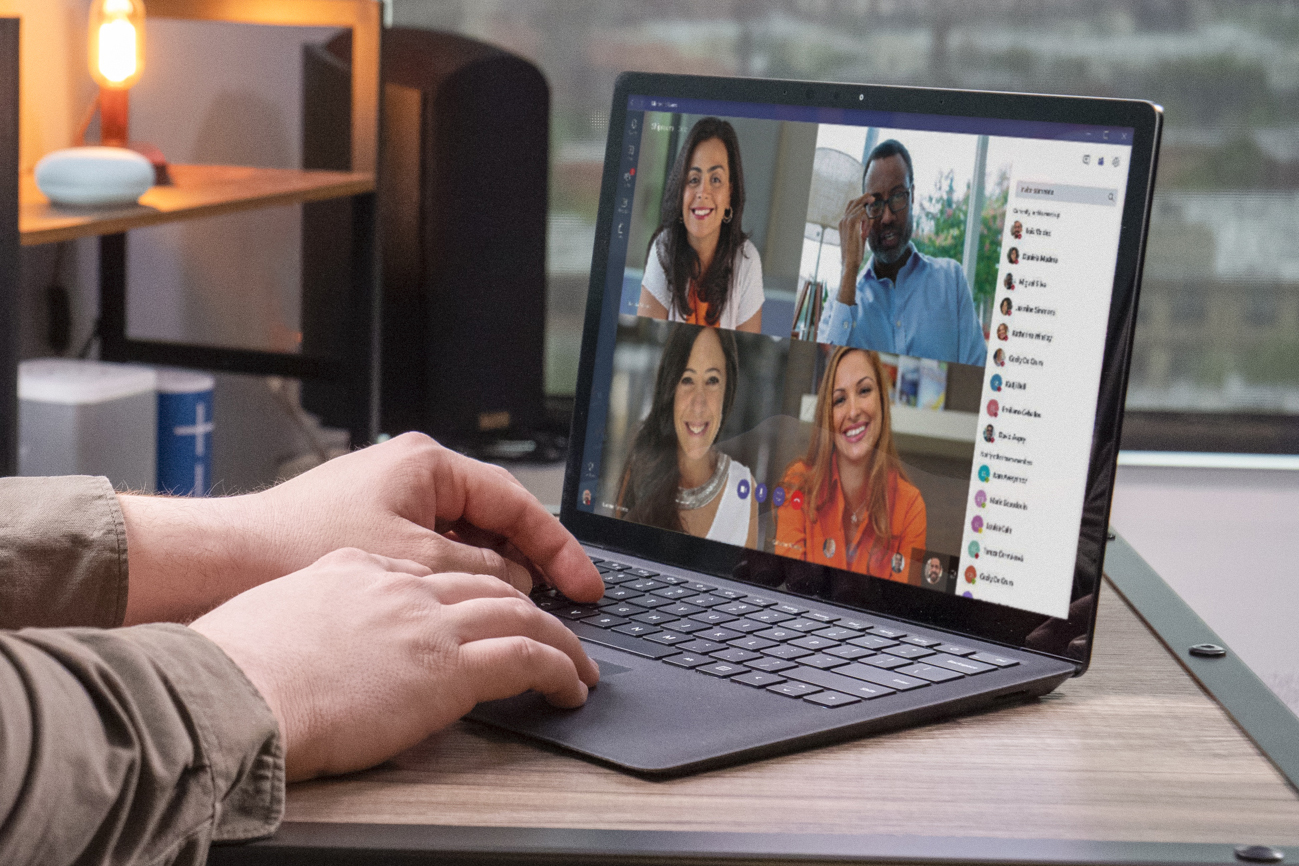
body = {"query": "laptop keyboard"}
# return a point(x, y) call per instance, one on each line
point(763, 643)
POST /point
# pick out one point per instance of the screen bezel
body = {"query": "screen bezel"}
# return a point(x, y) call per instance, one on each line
point(979, 619)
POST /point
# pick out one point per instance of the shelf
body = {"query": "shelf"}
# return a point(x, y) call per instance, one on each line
point(196, 191)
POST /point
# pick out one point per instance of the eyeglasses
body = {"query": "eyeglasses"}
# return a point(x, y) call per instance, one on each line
point(897, 204)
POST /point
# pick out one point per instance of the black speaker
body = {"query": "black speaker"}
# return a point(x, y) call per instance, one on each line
point(462, 203)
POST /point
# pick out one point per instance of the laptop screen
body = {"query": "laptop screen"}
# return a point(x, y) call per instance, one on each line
point(861, 338)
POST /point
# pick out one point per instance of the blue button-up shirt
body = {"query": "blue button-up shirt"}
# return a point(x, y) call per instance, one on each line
point(927, 313)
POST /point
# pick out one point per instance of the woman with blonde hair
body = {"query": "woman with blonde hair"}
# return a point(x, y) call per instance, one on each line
point(857, 510)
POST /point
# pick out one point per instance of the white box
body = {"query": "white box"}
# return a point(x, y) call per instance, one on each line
point(88, 418)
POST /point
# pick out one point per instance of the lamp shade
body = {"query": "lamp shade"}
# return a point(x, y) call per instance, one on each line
point(836, 180)
point(116, 42)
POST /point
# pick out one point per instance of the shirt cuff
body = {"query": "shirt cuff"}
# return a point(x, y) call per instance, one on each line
point(836, 323)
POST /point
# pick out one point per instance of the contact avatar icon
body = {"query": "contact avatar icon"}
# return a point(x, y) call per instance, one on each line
point(984, 473)
point(993, 408)
point(974, 549)
point(977, 523)
point(995, 382)
point(980, 499)
point(970, 575)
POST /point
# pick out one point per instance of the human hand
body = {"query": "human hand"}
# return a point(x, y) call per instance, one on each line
point(411, 498)
point(852, 246)
point(361, 656)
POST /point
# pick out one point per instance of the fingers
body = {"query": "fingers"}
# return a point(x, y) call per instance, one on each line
point(481, 619)
point(507, 666)
point(491, 500)
point(453, 555)
point(456, 588)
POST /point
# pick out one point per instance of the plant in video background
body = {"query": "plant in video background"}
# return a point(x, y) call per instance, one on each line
point(940, 230)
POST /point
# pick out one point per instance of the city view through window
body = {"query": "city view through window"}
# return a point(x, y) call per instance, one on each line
point(1218, 329)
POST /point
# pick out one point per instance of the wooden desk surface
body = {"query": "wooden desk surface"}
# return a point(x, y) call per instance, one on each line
point(1133, 751)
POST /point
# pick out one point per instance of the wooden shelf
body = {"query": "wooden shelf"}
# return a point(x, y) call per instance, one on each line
point(196, 191)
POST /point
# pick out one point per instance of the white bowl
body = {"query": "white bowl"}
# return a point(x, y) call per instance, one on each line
point(94, 176)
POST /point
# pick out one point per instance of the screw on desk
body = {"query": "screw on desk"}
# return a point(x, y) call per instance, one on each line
point(1208, 651)
point(1259, 854)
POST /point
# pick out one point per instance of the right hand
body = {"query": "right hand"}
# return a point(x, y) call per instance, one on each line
point(852, 246)
point(361, 656)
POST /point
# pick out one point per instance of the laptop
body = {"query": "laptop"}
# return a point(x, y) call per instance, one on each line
point(848, 410)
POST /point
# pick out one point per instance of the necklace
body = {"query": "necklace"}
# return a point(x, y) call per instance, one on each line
point(688, 499)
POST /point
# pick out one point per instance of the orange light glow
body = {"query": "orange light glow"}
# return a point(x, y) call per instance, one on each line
point(116, 42)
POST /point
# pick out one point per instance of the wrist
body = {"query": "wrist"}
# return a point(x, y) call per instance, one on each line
point(848, 285)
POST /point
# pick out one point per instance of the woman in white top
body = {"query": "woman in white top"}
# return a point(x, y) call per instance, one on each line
point(675, 478)
point(701, 267)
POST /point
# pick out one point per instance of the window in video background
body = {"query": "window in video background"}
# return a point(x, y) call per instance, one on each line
point(1219, 325)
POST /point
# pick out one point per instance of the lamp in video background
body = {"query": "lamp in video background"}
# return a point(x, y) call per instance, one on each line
point(116, 62)
point(836, 180)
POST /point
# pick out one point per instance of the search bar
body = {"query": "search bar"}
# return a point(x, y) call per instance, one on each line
point(1066, 193)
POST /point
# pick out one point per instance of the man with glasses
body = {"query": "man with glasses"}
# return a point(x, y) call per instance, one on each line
point(904, 301)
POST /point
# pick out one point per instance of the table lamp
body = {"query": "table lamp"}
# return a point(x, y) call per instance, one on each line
point(116, 62)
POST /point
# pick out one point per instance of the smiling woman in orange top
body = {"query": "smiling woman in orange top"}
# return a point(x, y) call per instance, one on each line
point(858, 509)
point(701, 267)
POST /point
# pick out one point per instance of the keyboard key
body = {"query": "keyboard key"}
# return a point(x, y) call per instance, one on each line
point(820, 617)
point(699, 587)
point(622, 593)
point(713, 617)
point(621, 608)
point(720, 669)
point(917, 640)
point(769, 665)
point(737, 608)
point(679, 609)
point(851, 653)
point(735, 655)
point(705, 600)
point(759, 601)
point(871, 642)
point(955, 650)
point(906, 651)
point(999, 661)
point(574, 611)
point(793, 690)
point(891, 679)
point(652, 601)
point(823, 661)
point(702, 646)
point(960, 665)
point(642, 572)
point(609, 565)
point(831, 699)
point(653, 617)
point(645, 584)
point(719, 634)
point(785, 651)
point(856, 624)
point(687, 660)
point(791, 609)
point(636, 629)
point(803, 625)
point(689, 626)
point(838, 632)
point(770, 617)
point(746, 625)
point(668, 638)
point(888, 663)
point(671, 579)
point(930, 672)
point(752, 642)
point(836, 682)
point(604, 620)
point(595, 560)
point(813, 642)
point(610, 638)
point(614, 578)
point(673, 593)
point(758, 679)
point(731, 594)
point(779, 634)
point(885, 631)
point(551, 603)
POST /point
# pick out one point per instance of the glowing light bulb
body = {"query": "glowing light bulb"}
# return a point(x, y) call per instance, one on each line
point(116, 42)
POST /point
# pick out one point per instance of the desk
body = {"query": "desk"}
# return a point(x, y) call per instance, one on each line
point(1132, 762)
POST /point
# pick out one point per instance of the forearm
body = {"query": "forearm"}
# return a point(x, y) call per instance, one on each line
point(136, 745)
point(848, 284)
point(188, 555)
